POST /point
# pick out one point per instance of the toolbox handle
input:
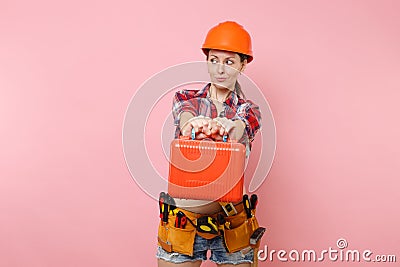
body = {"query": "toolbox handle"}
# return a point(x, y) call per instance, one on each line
point(193, 136)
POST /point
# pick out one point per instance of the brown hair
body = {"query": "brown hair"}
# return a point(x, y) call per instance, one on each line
point(238, 88)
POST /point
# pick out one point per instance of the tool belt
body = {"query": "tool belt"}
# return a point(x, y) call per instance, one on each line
point(178, 228)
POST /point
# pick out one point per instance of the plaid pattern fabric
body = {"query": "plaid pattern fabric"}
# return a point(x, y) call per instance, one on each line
point(198, 102)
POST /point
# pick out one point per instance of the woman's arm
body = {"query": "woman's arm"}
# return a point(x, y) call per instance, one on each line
point(249, 113)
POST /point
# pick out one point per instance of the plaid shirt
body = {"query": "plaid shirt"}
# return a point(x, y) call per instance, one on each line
point(198, 102)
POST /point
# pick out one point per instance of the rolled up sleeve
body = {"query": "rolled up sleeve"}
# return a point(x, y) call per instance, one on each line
point(250, 114)
point(181, 103)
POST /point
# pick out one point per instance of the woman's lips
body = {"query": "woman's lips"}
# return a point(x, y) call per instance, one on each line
point(220, 79)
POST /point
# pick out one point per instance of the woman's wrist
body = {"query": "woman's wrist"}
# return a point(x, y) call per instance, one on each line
point(234, 128)
point(185, 118)
point(240, 127)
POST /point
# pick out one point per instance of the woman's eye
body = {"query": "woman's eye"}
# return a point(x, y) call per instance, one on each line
point(229, 62)
point(213, 60)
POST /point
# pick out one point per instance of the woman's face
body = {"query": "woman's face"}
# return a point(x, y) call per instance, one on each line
point(224, 68)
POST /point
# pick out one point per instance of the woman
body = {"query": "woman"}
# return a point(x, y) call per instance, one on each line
point(217, 110)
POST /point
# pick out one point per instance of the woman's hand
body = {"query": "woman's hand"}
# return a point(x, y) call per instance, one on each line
point(229, 127)
point(200, 124)
point(204, 127)
point(215, 129)
point(226, 125)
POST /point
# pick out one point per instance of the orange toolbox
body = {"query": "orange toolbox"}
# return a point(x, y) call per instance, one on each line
point(207, 170)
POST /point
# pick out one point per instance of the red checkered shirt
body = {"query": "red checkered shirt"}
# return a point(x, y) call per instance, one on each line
point(198, 102)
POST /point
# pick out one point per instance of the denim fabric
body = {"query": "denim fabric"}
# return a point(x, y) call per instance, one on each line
point(218, 253)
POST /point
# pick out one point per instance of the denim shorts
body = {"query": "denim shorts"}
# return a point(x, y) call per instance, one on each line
point(219, 254)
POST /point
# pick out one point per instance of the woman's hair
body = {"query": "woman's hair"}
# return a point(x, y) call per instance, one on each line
point(238, 88)
point(242, 57)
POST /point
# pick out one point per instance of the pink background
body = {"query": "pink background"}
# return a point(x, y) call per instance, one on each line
point(329, 69)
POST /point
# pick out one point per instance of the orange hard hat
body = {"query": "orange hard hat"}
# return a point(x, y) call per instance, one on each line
point(229, 36)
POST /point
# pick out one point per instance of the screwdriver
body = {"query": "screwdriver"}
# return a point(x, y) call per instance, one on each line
point(180, 221)
point(246, 204)
point(161, 201)
point(163, 207)
point(171, 203)
point(253, 201)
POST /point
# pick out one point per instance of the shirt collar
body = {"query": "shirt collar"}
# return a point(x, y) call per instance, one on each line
point(232, 99)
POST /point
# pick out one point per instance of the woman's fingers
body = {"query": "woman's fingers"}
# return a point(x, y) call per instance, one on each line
point(227, 125)
point(199, 124)
point(214, 127)
point(201, 136)
point(218, 127)
point(217, 137)
point(185, 131)
point(205, 127)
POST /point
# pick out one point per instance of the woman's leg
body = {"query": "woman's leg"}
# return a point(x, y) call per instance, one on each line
point(237, 265)
point(223, 258)
point(171, 259)
point(163, 263)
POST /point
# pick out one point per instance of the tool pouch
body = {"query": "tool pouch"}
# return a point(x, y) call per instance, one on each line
point(175, 239)
point(238, 237)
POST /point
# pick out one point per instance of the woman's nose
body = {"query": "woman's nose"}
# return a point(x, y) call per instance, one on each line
point(221, 68)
